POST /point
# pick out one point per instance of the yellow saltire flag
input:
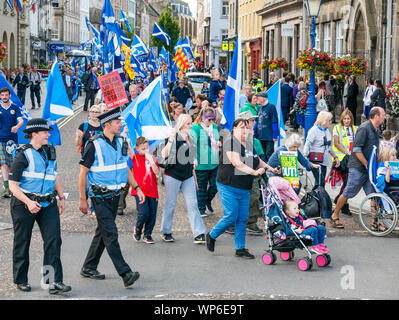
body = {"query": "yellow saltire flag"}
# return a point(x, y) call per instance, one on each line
point(181, 60)
point(128, 68)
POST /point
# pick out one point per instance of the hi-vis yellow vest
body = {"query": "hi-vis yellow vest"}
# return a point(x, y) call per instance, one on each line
point(344, 139)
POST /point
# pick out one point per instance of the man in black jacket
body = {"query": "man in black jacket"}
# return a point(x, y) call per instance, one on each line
point(181, 93)
point(353, 91)
point(22, 82)
point(91, 87)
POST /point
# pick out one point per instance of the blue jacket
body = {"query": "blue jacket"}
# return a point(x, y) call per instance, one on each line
point(38, 177)
point(182, 95)
point(109, 167)
point(287, 100)
point(267, 123)
point(214, 88)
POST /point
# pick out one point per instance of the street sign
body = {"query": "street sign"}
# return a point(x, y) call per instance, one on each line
point(225, 46)
point(287, 30)
point(113, 90)
point(231, 46)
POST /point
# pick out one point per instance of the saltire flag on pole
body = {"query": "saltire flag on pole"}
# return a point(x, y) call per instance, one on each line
point(146, 116)
point(152, 62)
point(124, 20)
point(15, 100)
point(92, 28)
point(186, 46)
point(160, 33)
point(57, 103)
point(140, 49)
point(177, 45)
point(274, 97)
point(232, 94)
point(137, 67)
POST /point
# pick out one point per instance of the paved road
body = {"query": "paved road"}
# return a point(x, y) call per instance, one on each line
point(362, 266)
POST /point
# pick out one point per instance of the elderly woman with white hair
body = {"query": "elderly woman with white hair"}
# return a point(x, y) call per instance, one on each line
point(292, 143)
point(318, 147)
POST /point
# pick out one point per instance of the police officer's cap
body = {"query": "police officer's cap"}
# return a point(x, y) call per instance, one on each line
point(36, 125)
point(261, 94)
point(113, 114)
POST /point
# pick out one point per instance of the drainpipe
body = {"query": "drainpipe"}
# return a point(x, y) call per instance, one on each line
point(388, 43)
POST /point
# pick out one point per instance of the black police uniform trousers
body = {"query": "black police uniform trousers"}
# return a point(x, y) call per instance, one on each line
point(106, 236)
point(48, 220)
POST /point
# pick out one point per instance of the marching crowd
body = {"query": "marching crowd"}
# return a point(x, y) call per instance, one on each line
point(199, 158)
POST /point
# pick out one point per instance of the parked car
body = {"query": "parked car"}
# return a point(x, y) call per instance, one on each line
point(197, 79)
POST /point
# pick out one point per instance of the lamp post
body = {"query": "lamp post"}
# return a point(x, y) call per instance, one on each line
point(311, 114)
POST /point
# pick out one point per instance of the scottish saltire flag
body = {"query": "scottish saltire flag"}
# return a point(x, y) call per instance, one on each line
point(137, 67)
point(146, 116)
point(160, 33)
point(232, 95)
point(57, 103)
point(25, 113)
point(152, 62)
point(140, 49)
point(177, 45)
point(274, 97)
point(92, 28)
point(124, 20)
point(118, 67)
point(186, 46)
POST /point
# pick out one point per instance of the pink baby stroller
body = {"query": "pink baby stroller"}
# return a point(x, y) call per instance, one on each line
point(281, 236)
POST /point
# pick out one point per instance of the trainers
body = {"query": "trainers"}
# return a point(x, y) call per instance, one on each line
point(254, 231)
point(200, 239)
point(136, 235)
point(148, 239)
point(210, 243)
point(59, 287)
point(244, 253)
point(317, 249)
point(322, 246)
point(168, 237)
point(203, 214)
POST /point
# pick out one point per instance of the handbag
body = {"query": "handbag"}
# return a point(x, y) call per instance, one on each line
point(316, 157)
point(310, 205)
point(303, 102)
point(343, 165)
point(322, 105)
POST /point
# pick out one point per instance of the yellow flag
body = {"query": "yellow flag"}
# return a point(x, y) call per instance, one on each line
point(128, 68)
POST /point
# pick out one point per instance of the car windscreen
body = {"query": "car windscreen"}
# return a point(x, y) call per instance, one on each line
point(198, 79)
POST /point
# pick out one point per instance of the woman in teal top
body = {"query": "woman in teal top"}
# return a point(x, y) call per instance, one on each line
point(207, 138)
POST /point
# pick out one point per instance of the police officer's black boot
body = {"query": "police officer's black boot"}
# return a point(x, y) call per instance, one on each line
point(130, 277)
point(59, 287)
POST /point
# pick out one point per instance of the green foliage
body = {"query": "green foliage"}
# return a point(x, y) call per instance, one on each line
point(171, 27)
point(130, 35)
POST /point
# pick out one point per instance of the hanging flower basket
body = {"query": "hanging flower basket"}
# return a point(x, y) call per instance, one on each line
point(350, 65)
point(274, 64)
point(392, 96)
point(313, 60)
point(3, 52)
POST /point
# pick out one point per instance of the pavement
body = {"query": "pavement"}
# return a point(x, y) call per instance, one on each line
point(363, 267)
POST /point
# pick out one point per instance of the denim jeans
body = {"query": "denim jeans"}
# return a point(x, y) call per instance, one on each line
point(317, 176)
point(147, 214)
point(172, 188)
point(235, 204)
point(318, 234)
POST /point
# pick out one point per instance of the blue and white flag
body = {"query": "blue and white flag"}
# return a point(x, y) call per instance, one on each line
point(177, 45)
point(57, 103)
point(274, 97)
point(92, 28)
point(118, 67)
point(146, 117)
point(10, 4)
point(186, 46)
point(15, 100)
point(137, 67)
point(164, 56)
point(160, 33)
point(232, 95)
point(124, 20)
point(152, 62)
point(140, 49)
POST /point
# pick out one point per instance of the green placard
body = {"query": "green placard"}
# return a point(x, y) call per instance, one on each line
point(289, 167)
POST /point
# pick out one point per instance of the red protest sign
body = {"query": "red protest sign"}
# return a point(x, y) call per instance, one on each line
point(112, 90)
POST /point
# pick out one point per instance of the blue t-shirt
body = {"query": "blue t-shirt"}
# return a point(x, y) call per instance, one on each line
point(8, 119)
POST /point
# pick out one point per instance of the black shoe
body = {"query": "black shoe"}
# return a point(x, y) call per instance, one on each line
point(168, 238)
point(92, 274)
point(33, 108)
point(120, 212)
point(210, 243)
point(25, 287)
point(130, 277)
point(209, 207)
point(254, 231)
point(200, 239)
point(345, 209)
point(148, 239)
point(59, 287)
point(136, 235)
point(244, 253)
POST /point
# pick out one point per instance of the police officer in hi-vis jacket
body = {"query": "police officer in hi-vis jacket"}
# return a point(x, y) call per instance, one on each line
point(104, 167)
point(34, 184)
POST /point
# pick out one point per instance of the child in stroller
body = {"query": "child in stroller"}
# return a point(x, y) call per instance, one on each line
point(285, 233)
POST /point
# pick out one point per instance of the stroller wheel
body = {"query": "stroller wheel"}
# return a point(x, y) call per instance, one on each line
point(269, 258)
point(286, 256)
point(328, 258)
point(305, 264)
point(322, 260)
